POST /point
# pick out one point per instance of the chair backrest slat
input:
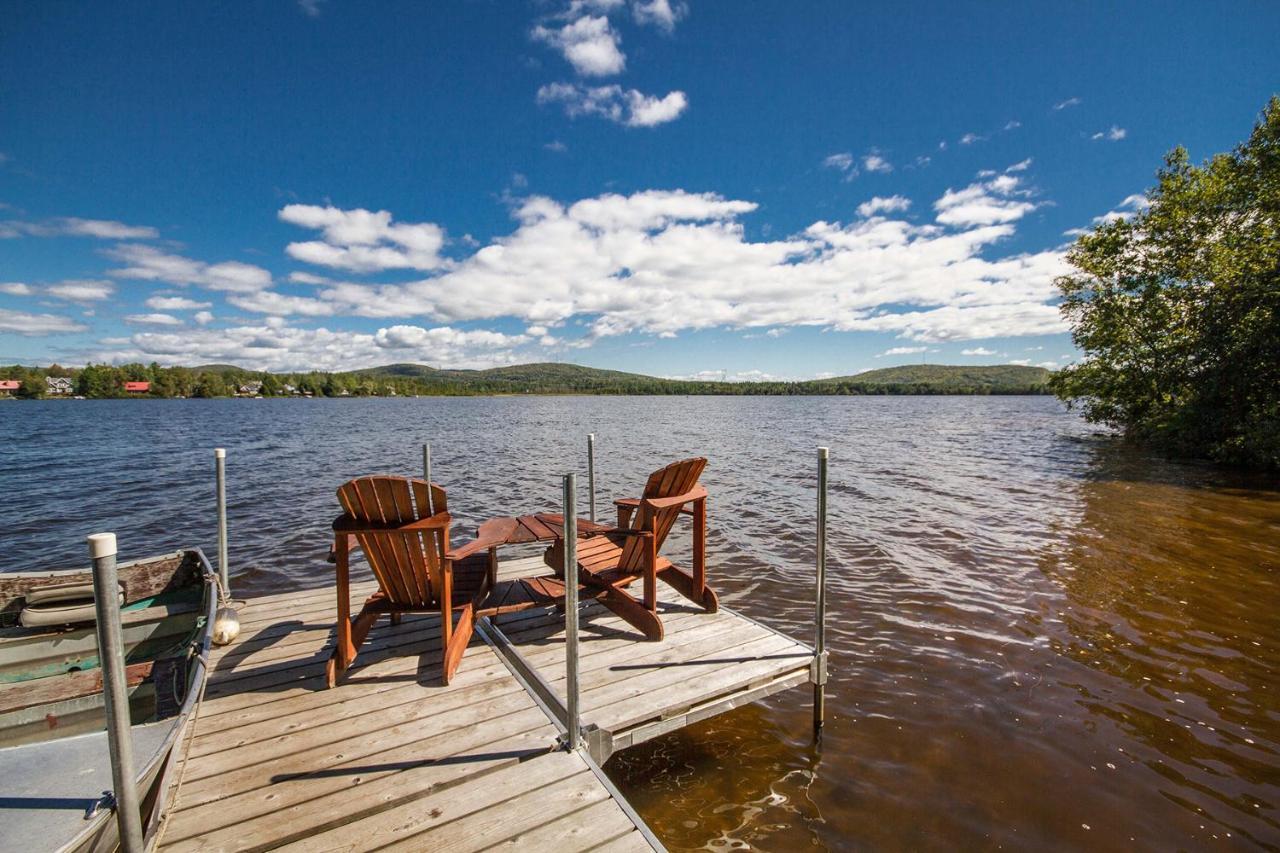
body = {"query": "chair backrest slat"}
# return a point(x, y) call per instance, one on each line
point(675, 479)
point(407, 564)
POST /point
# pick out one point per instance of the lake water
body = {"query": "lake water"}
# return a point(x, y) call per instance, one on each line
point(1039, 638)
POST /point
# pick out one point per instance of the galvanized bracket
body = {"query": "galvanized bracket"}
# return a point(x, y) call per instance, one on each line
point(106, 801)
point(818, 669)
point(599, 743)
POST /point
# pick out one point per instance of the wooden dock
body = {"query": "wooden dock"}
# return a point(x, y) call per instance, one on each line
point(391, 759)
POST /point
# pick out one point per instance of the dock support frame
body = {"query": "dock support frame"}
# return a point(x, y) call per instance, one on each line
point(572, 721)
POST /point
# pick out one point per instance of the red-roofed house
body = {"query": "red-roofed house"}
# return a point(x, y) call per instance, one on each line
point(8, 386)
point(137, 387)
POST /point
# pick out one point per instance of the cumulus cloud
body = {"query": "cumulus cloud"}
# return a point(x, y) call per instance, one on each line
point(660, 13)
point(1020, 166)
point(35, 325)
point(16, 288)
point(148, 263)
point(622, 106)
point(174, 303)
point(998, 200)
point(978, 351)
point(1112, 134)
point(882, 204)
point(204, 318)
point(274, 345)
point(875, 163)
point(364, 241)
point(661, 262)
point(71, 226)
point(152, 320)
point(280, 304)
point(901, 351)
point(82, 290)
point(1128, 206)
point(590, 44)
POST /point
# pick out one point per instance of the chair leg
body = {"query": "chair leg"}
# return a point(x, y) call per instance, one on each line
point(633, 613)
point(456, 643)
point(685, 584)
point(396, 618)
point(356, 631)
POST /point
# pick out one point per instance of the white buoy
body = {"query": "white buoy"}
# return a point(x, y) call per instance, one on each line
point(226, 625)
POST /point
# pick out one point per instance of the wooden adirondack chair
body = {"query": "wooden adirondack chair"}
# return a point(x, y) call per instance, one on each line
point(611, 560)
point(407, 547)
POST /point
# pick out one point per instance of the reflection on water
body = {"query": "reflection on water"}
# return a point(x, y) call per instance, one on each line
point(1039, 638)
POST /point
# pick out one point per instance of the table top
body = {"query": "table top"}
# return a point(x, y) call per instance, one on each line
point(538, 527)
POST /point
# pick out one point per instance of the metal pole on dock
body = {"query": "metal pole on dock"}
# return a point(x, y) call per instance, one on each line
point(224, 571)
point(819, 673)
point(426, 473)
point(106, 596)
point(591, 474)
point(571, 610)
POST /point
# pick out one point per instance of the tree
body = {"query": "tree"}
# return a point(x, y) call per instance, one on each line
point(1177, 309)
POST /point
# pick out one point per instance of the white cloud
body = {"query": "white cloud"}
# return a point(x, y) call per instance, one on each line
point(204, 318)
point(622, 106)
point(311, 7)
point(35, 325)
point(557, 146)
point(174, 303)
point(842, 162)
point(971, 138)
point(1023, 362)
point(308, 278)
point(901, 351)
point(364, 241)
point(1012, 125)
point(882, 204)
point(1128, 206)
point(662, 262)
point(660, 13)
point(1020, 166)
point(152, 320)
point(280, 304)
point(151, 264)
point(1113, 134)
point(875, 163)
point(72, 226)
point(274, 345)
point(984, 203)
point(978, 351)
point(76, 290)
point(16, 288)
point(1069, 102)
point(590, 44)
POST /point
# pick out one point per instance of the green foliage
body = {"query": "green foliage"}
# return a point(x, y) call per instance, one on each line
point(1178, 309)
point(404, 380)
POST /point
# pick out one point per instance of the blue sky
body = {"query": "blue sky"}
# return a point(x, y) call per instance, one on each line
point(696, 188)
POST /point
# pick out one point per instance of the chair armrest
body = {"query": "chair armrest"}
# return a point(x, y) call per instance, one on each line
point(631, 502)
point(347, 524)
point(694, 494)
point(473, 547)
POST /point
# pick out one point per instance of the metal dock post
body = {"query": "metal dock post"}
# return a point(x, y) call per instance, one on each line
point(819, 669)
point(220, 463)
point(572, 722)
point(106, 596)
point(591, 475)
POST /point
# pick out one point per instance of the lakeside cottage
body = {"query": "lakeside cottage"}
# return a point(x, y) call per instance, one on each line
point(137, 387)
point(8, 386)
point(249, 389)
point(58, 386)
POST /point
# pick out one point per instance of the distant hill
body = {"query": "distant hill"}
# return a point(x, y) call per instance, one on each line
point(996, 379)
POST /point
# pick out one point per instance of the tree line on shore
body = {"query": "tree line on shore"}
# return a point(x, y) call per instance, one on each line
point(102, 381)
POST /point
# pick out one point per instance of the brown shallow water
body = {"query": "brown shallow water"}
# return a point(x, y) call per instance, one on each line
point(1040, 638)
